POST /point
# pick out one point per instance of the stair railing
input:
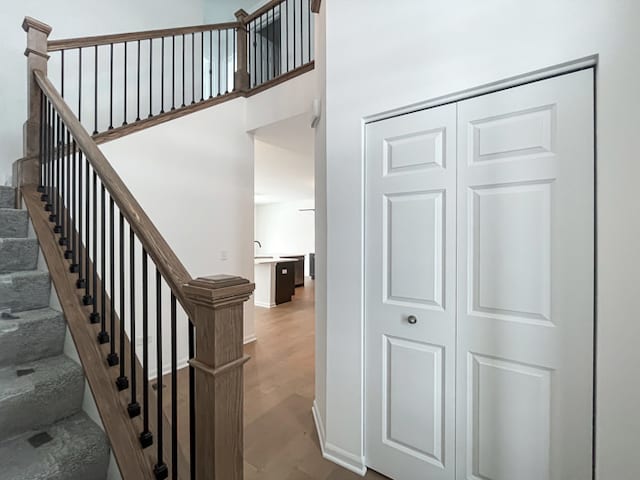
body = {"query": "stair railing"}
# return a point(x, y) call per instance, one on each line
point(117, 84)
point(131, 287)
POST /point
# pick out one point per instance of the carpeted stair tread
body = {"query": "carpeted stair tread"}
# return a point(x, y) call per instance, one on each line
point(18, 254)
point(72, 449)
point(20, 291)
point(13, 223)
point(7, 197)
point(36, 394)
point(31, 335)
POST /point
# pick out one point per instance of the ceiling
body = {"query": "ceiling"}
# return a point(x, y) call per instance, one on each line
point(284, 168)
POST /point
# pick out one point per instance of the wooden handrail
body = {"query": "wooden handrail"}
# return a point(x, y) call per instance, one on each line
point(166, 261)
point(68, 43)
point(262, 10)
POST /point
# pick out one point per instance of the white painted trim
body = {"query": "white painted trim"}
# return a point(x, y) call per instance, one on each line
point(544, 73)
point(250, 339)
point(335, 454)
point(263, 304)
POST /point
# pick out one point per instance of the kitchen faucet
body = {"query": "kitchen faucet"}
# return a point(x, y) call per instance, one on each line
point(259, 244)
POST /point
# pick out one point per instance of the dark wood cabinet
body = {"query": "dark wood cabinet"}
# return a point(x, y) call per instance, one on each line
point(285, 281)
point(299, 269)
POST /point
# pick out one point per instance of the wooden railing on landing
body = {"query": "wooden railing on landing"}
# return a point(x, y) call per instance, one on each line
point(105, 255)
point(117, 84)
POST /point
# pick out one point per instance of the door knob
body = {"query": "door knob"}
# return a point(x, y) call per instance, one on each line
point(412, 319)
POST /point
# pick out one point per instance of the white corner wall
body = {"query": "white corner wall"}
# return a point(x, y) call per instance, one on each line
point(71, 18)
point(430, 49)
point(194, 178)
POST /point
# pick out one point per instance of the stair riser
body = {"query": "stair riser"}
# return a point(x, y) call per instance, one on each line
point(13, 224)
point(25, 341)
point(29, 292)
point(18, 255)
point(7, 197)
point(53, 392)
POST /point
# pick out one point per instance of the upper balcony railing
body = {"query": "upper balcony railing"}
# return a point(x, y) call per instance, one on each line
point(118, 83)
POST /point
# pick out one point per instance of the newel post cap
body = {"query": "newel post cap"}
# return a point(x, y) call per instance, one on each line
point(31, 23)
point(218, 290)
point(240, 14)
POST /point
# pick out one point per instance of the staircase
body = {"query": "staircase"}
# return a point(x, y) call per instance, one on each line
point(45, 434)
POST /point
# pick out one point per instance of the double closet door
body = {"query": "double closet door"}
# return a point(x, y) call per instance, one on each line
point(479, 287)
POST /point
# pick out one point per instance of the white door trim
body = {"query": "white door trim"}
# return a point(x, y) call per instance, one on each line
point(584, 63)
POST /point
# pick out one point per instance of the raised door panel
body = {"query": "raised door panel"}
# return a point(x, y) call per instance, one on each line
point(410, 166)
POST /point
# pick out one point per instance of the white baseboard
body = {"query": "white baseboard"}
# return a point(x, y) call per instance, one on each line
point(258, 303)
point(250, 339)
point(336, 454)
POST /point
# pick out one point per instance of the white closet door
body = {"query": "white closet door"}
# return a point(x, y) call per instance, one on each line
point(525, 282)
point(410, 294)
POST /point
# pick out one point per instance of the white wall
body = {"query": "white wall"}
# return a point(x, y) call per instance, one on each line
point(283, 229)
point(194, 178)
point(69, 18)
point(397, 55)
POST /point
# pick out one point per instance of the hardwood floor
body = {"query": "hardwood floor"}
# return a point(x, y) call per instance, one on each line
point(280, 437)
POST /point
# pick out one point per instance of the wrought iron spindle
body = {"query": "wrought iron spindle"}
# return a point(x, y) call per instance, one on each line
point(122, 381)
point(309, 29)
point(174, 390)
point(226, 61)
point(192, 403)
point(95, 316)
point(162, 77)
point(146, 437)
point(112, 358)
point(294, 34)
point(211, 64)
point(201, 66)
point(150, 77)
point(67, 232)
point(80, 84)
point(103, 336)
point(134, 407)
point(301, 34)
point(160, 468)
point(219, 65)
point(138, 84)
point(173, 73)
point(193, 68)
point(87, 299)
point(95, 90)
point(126, 61)
point(184, 85)
point(111, 86)
point(80, 282)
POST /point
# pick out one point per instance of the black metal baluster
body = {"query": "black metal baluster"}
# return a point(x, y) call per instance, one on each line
point(146, 437)
point(211, 64)
point(254, 78)
point(150, 77)
point(111, 87)
point(269, 45)
point(87, 299)
point(234, 53)
point(287, 31)
point(301, 34)
point(62, 160)
point(160, 469)
point(309, 29)
point(184, 86)
point(56, 179)
point(201, 66)
point(80, 282)
point(66, 240)
point(162, 78)
point(226, 61)
point(134, 407)
point(46, 196)
point(80, 84)
point(261, 49)
point(294, 34)
point(122, 381)
point(173, 73)
point(95, 90)
point(126, 61)
point(113, 358)
point(138, 83)
point(193, 68)
point(62, 73)
point(192, 404)
point(103, 336)
point(219, 65)
point(174, 389)
point(42, 145)
point(73, 217)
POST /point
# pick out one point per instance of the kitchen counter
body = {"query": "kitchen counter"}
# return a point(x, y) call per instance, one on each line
point(267, 272)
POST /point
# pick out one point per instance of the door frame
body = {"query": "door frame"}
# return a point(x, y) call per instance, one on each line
point(585, 63)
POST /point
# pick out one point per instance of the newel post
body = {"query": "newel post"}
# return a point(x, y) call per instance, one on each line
point(241, 79)
point(218, 366)
point(26, 170)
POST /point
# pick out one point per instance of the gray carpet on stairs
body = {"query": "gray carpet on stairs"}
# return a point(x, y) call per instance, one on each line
point(43, 432)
